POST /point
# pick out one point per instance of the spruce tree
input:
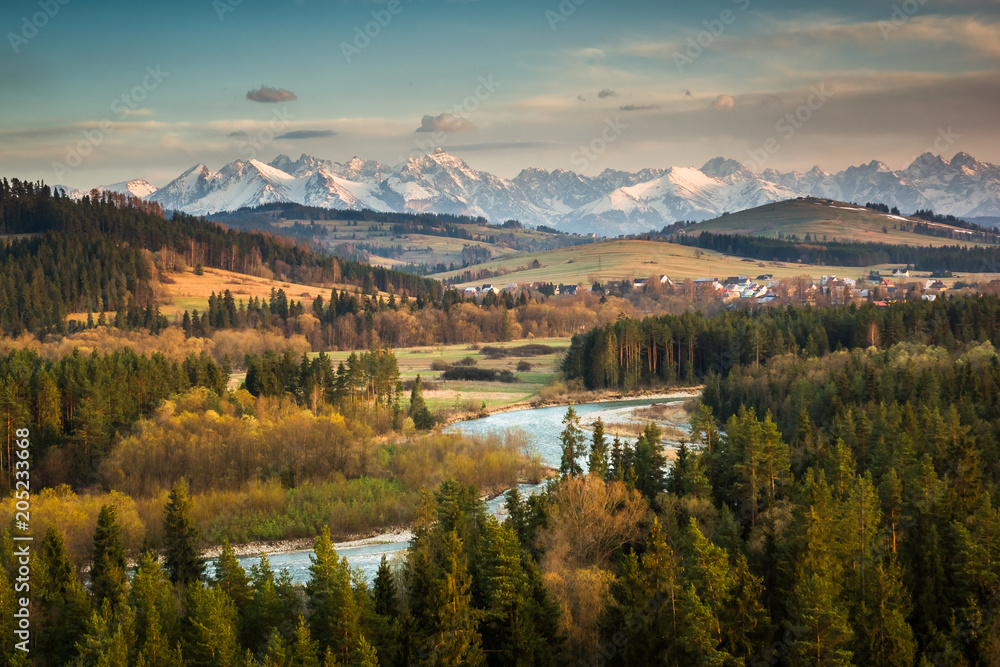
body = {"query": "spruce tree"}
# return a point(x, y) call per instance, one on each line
point(181, 537)
point(384, 590)
point(304, 649)
point(422, 418)
point(63, 607)
point(598, 463)
point(335, 619)
point(454, 637)
point(572, 444)
point(211, 627)
point(649, 463)
point(151, 596)
point(232, 578)
point(108, 578)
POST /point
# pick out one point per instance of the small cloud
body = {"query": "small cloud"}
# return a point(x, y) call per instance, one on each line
point(607, 92)
point(239, 134)
point(723, 102)
point(138, 112)
point(687, 93)
point(445, 122)
point(581, 98)
point(639, 107)
point(306, 134)
point(268, 94)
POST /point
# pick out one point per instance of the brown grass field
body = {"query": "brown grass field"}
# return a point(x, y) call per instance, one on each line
point(618, 259)
point(190, 292)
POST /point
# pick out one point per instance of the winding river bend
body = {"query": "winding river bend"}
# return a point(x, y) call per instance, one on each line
point(543, 426)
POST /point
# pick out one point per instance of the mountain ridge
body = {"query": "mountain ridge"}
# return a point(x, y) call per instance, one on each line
point(611, 203)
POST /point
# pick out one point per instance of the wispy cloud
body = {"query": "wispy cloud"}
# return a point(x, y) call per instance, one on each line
point(639, 107)
point(306, 134)
point(607, 92)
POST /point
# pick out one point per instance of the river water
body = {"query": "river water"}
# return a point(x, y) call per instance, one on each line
point(543, 426)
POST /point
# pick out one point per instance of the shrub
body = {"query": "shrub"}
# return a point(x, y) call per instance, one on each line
point(475, 374)
point(467, 361)
point(440, 365)
point(523, 367)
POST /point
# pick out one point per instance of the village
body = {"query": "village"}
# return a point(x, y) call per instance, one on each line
point(743, 289)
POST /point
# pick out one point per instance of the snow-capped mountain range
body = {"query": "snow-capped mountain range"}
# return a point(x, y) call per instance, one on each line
point(614, 202)
point(136, 188)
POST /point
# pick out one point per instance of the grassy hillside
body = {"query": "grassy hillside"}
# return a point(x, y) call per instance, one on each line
point(823, 221)
point(431, 249)
point(188, 291)
point(614, 260)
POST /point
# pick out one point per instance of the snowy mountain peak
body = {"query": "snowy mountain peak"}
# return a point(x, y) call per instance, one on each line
point(720, 167)
point(136, 187)
point(611, 203)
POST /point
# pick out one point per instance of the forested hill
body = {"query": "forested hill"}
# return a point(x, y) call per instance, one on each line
point(692, 347)
point(86, 254)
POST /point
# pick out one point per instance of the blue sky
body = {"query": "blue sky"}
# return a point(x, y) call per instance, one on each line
point(93, 93)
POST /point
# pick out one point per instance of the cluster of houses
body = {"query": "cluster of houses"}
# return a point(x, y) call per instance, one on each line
point(762, 289)
point(765, 289)
point(514, 288)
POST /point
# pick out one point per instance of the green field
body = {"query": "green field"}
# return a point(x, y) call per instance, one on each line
point(430, 249)
point(445, 395)
point(618, 259)
point(823, 221)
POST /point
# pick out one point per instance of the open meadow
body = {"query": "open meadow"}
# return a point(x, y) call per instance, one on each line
point(825, 221)
point(427, 361)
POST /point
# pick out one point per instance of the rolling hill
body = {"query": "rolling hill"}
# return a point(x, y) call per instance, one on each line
point(824, 219)
point(618, 259)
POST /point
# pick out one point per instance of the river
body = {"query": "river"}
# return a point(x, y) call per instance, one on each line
point(543, 426)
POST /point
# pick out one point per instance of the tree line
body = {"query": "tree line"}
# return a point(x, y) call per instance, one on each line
point(75, 406)
point(88, 255)
point(630, 353)
point(978, 259)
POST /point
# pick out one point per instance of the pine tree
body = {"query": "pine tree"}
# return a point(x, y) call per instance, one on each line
point(232, 578)
point(63, 607)
point(151, 596)
point(885, 638)
point(384, 590)
point(211, 628)
point(598, 463)
point(109, 640)
point(181, 537)
point(572, 444)
point(453, 637)
point(304, 649)
point(649, 463)
point(422, 418)
point(367, 656)
point(275, 650)
point(335, 618)
point(108, 578)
